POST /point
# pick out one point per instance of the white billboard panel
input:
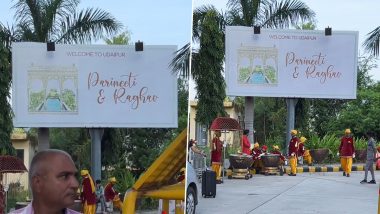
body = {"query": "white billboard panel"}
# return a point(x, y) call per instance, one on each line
point(93, 86)
point(291, 63)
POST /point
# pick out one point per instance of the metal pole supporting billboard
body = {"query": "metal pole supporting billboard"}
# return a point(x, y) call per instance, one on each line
point(96, 138)
point(43, 139)
point(249, 117)
point(290, 118)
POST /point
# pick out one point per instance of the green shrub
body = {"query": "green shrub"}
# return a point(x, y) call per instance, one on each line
point(277, 140)
point(329, 141)
point(125, 180)
point(16, 193)
point(360, 143)
point(147, 204)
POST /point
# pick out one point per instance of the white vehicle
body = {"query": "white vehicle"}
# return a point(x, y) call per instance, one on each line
point(191, 189)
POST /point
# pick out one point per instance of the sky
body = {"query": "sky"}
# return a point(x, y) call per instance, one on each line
point(158, 22)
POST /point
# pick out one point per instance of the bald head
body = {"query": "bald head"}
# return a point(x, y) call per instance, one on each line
point(52, 177)
point(41, 162)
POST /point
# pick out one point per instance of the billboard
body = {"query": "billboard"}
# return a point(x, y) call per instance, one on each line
point(291, 63)
point(93, 86)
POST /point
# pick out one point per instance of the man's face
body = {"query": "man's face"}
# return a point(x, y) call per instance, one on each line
point(58, 186)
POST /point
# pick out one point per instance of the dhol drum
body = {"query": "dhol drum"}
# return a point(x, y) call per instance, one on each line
point(271, 164)
point(240, 166)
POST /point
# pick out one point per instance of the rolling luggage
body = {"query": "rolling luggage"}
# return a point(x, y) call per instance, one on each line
point(208, 183)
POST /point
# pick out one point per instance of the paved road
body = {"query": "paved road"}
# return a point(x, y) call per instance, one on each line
point(306, 193)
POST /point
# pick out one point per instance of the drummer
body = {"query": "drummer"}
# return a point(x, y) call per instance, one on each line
point(304, 154)
point(256, 152)
point(276, 151)
point(264, 150)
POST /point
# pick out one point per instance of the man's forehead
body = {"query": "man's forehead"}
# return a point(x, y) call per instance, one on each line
point(62, 163)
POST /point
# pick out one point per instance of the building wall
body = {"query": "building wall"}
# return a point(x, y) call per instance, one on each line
point(232, 113)
point(21, 142)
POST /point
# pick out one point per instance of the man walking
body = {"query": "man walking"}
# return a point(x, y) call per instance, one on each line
point(347, 152)
point(371, 153)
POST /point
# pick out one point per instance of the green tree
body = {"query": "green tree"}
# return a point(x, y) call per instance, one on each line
point(207, 71)
point(362, 113)
point(6, 124)
point(324, 113)
point(75, 141)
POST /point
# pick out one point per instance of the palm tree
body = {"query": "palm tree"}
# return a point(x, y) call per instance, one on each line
point(6, 125)
point(207, 71)
point(371, 44)
point(56, 21)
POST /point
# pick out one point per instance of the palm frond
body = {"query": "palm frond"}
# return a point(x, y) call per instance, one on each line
point(7, 35)
point(87, 25)
point(54, 11)
point(181, 62)
point(28, 12)
point(24, 32)
point(285, 13)
point(371, 44)
point(243, 12)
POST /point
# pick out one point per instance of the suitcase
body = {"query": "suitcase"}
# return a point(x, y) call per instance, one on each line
point(208, 183)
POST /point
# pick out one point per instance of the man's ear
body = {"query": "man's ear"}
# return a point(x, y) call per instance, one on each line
point(37, 183)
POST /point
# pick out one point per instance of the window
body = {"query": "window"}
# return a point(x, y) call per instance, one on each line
point(20, 154)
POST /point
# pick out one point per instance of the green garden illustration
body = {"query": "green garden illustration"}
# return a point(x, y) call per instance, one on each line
point(52, 89)
point(257, 66)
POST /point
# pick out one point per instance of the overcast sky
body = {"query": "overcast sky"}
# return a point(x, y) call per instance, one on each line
point(158, 22)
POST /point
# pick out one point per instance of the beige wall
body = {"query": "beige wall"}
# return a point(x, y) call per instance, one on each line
point(232, 113)
point(20, 141)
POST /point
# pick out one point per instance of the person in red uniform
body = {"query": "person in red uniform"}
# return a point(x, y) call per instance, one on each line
point(346, 152)
point(256, 152)
point(88, 195)
point(216, 155)
point(301, 150)
point(276, 151)
point(246, 145)
point(112, 196)
point(292, 152)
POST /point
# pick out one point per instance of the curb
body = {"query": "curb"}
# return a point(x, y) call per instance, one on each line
point(324, 169)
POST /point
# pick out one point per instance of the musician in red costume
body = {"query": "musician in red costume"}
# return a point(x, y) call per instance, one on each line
point(112, 196)
point(346, 152)
point(216, 155)
point(88, 195)
point(292, 152)
point(257, 163)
